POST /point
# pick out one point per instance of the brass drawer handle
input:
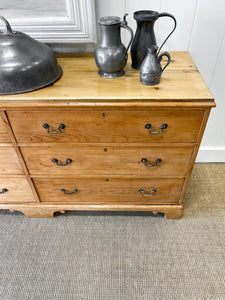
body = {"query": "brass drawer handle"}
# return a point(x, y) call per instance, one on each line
point(3, 191)
point(162, 127)
point(153, 191)
point(155, 164)
point(68, 193)
point(68, 161)
point(60, 127)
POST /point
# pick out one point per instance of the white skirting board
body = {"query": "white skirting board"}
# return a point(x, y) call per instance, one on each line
point(211, 155)
point(72, 48)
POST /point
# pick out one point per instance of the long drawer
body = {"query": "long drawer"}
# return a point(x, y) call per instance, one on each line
point(9, 163)
point(4, 137)
point(14, 190)
point(106, 126)
point(122, 190)
point(150, 161)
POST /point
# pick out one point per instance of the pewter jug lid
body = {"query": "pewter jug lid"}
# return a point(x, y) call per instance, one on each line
point(109, 20)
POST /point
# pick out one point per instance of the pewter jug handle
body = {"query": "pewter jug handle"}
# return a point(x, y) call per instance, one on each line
point(168, 56)
point(125, 26)
point(164, 14)
point(8, 27)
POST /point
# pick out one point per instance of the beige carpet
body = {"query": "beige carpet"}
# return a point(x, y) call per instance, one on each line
point(121, 256)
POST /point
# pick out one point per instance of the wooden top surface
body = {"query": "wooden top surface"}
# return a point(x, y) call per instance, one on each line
point(80, 82)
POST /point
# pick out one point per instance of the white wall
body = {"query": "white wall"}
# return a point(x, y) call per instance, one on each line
point(201, 31)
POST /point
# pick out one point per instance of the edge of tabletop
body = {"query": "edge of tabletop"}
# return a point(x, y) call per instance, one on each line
point(47, 98)
point(203, 103)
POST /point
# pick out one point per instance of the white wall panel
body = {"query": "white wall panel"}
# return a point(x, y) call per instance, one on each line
point(109, 8)
point(213, 142)
point(210, 154)
point(184, 12)
point(207, 35)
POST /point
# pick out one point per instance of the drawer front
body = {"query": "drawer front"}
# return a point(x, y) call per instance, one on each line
point(151, 161)
point(4, 137)
point(106, 126)
point(9, 163)
point(14, 190)
point(109, 190)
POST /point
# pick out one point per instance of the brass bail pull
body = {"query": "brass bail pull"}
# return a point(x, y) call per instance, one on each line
point(152, 131)
point(153, 191)
point(74, 191)
point(4, 190)
point(60, 127)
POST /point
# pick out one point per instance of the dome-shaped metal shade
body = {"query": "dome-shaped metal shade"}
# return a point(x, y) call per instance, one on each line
point(25, 64)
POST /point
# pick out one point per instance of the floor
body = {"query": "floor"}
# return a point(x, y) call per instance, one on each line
point(121, 256)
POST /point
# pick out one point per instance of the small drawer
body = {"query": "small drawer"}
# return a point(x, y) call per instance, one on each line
point(14, 190)
point(124, 190)
point(4, 137)
point(9, 163)
point(150, 161)
point(106, 126)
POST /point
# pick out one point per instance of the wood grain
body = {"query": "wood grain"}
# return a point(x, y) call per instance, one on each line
point(4, 136)
point(80, 82)
point(195, 152)
point(106, 138)
point(20, 158)
point(107, 126)
point(48, 210)
point(124, 190)
point(9, 162)
point(108, 160)
point(18, 190)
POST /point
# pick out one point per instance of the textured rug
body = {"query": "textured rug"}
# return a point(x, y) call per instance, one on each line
point(121, 256)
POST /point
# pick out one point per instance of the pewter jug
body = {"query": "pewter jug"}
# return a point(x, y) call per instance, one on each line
point(145, 36)
point(111, 55)
point(151, 70)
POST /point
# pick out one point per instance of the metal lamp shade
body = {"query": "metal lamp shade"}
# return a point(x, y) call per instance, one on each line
point(25, 63)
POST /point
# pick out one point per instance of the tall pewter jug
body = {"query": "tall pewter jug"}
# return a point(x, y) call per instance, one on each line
point(110, 54)
point(145, 36)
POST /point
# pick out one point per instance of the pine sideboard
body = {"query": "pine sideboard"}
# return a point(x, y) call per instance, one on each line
point(90, 143)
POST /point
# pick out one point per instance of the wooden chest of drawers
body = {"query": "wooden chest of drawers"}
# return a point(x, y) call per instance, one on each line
point(89, 143)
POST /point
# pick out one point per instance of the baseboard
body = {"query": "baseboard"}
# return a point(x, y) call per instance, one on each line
point(72, 48)
point(211, 155)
